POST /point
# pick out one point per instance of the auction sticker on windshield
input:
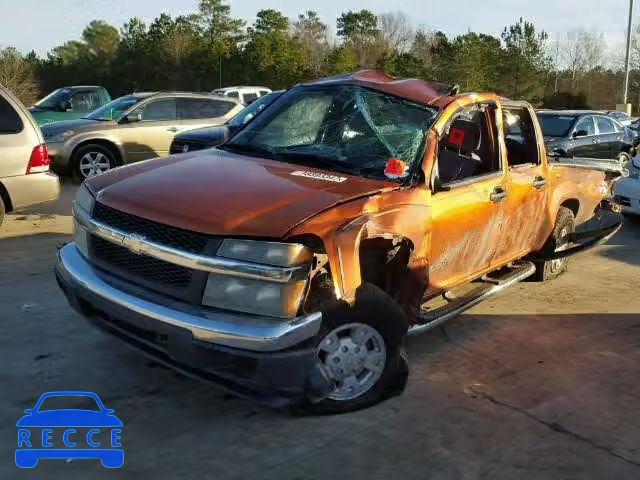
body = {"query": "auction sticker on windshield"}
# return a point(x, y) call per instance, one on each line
point(319, 176)
point(69, 425)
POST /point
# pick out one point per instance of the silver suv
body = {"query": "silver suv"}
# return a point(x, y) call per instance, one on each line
point(24, 167)
point(135, 127)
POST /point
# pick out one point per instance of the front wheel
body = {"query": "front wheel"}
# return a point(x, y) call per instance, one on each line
point(360, 351)
point(91, 160)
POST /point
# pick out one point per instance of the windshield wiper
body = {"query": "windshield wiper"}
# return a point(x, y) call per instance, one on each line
point(317, 161)
point(256, 149)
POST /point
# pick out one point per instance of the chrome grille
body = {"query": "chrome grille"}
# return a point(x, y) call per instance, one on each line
point(157, 232)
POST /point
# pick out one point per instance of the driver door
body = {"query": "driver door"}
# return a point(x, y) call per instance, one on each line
point(468, 203)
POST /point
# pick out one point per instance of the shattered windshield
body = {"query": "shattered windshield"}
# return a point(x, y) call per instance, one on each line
point(342, 128)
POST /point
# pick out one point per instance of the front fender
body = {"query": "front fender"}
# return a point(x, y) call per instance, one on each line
point(89, 137)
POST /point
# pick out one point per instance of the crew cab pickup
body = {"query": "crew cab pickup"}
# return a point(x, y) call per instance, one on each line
point(69, 103)
point(289, 263)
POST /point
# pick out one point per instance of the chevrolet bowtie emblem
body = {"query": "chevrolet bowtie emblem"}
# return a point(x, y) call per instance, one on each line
point(135, 243)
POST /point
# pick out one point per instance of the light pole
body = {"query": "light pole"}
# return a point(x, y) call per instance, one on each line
point(626, 63)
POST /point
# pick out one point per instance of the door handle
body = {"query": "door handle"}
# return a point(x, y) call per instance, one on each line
point(539, 182)
point(173, 129)
point(498, 194)
point(595, 140)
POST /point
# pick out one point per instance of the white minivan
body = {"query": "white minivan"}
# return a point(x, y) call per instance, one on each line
point(245, 94)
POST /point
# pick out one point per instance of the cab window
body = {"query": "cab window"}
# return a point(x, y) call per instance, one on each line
point(469, 146)
point(233, 94)
point(85, 101)
point(520, 137)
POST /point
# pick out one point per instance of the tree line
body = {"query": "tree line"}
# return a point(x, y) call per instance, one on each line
point(210, 48)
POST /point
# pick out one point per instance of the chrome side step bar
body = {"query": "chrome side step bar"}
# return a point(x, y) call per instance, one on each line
point(431, 319)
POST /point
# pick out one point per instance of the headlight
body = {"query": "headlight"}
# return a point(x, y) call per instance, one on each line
point(267, 253)
point(61, 137)
point(253, 296)
point(84, 199)
point(259, 297)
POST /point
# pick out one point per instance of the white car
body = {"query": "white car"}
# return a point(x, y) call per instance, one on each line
point(627, 190)
point(245, 94)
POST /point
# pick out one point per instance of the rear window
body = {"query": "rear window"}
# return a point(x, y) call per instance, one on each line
point(10, 121)
point(194, 108)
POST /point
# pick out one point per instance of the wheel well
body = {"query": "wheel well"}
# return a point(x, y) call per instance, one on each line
point(6, 199)
point(104, 143)
point(383, 261)
point(573, 205)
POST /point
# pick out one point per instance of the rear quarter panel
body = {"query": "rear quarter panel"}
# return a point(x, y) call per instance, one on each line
point(588, 187)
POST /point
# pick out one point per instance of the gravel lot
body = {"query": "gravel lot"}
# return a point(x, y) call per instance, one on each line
point(539, 383)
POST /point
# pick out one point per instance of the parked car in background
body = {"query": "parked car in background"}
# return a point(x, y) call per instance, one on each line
point(68, 103)
point(587, 134)
point(621, 117)
point(627, 190)
point(132, 128)
point(208, 137)
point(24, 162)
point(245, 94)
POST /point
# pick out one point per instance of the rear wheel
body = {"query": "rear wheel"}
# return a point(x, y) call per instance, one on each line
point(565, 225)
point(91, 160)
point(360, 350)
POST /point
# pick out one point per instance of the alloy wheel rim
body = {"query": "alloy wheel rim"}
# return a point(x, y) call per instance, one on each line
point(94, 163)
point(558, 264)
point(353, 357)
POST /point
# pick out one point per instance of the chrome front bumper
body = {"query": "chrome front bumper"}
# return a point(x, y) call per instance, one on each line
point(258, 334)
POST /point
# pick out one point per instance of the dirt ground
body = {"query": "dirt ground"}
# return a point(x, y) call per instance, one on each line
point(539, 383)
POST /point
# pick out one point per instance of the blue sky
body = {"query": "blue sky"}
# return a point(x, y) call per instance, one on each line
point(43, 24)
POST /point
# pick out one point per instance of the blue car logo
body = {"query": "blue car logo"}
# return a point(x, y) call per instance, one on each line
point(88, 431)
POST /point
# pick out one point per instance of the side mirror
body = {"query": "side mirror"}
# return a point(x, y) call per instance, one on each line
point(580, 133)
point(66, 106)
point(133, 117)
point(109, 411)
point(29, 411)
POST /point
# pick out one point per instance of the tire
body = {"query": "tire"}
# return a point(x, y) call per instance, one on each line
point(624, 158)
point(90, 160)
point(565, 224)
point(3, 210)
point(375, 313)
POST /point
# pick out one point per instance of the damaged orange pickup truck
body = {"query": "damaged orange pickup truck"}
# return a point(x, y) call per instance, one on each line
point(289, 263)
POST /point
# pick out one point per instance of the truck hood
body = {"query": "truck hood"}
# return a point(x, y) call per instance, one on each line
point(221, 193)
